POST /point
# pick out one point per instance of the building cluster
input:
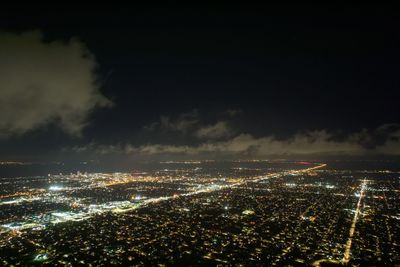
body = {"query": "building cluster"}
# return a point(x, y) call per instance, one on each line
point(242, 214)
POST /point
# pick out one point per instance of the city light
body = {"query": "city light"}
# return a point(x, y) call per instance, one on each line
point(314, 214)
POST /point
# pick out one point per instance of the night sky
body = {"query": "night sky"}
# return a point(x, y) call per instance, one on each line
point(139, 82)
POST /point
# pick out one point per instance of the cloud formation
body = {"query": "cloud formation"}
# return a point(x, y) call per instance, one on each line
point(215, 131)
point(46, 82)
point(319, 142)
point(183, 123)
point(192, 125)
point(315, 142)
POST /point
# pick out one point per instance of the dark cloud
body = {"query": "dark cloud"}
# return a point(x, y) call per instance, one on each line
point(189, 135)
point(215, 131)
point(193, 125)
point(233, 112)
point(320, 142)
point(184, 123)
point(46, 82)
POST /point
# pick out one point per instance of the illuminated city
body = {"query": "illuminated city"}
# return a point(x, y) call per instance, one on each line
point(207, 134)
point(287, 213)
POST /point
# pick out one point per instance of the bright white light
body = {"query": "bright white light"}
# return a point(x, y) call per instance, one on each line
point(41, 257)
point(55, 188)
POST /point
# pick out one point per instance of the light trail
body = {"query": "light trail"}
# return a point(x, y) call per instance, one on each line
point(19, 194)
point(346, 256)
